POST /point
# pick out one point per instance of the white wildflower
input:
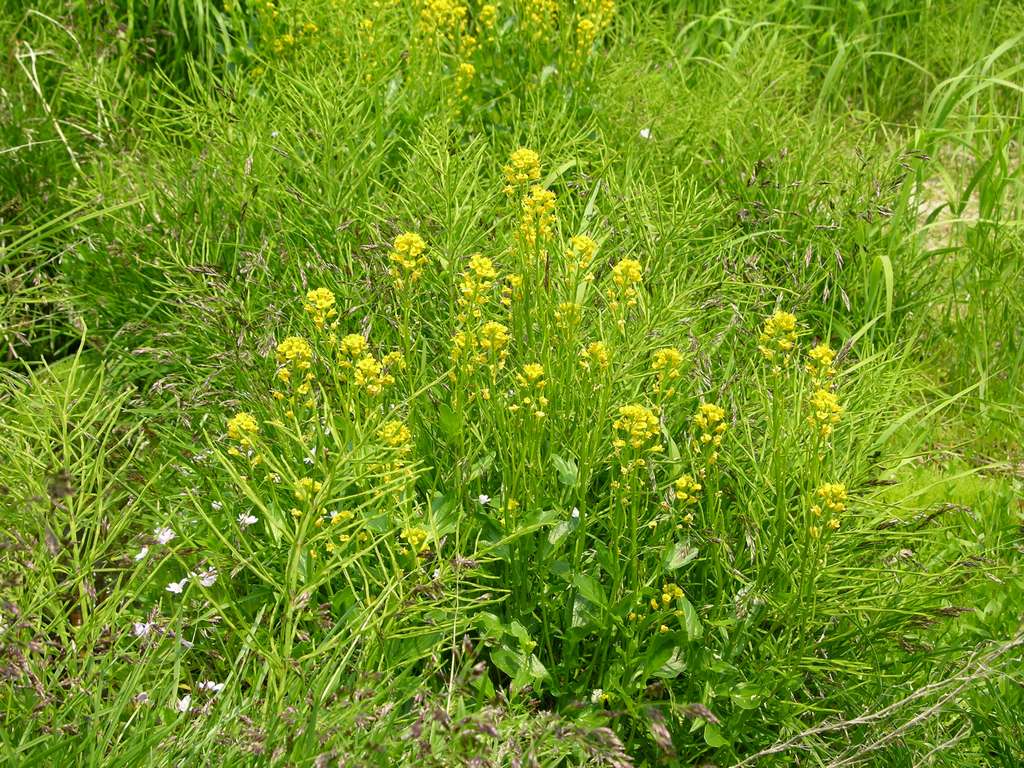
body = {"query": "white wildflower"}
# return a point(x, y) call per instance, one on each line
point(164, 535)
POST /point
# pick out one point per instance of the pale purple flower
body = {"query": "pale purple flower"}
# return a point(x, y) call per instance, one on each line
point(163, 535)
point(141, 553)
point(141, 698)
point(245, 520)
point(177, 587)
point(184, 703)
point(142, 628)
point(209, 685)
point(216, 506)
point(484, 499)
point(208, 577)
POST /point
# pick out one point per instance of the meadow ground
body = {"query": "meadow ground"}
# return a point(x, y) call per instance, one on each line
point(538, 383)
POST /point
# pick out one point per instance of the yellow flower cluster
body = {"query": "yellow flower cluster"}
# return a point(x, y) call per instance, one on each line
point(825, 411)
point(579, 254)
point(319, 305)
point(568, 315)
point(531, 390)
point(832, 498)
point(368, 372)
point(540, 17)
point(475, 288)
point(820, 365)
point(512, 290)
point(538, 215)
point(416, 539)
point(637, 427)
point(242, 427)
point(595, 356)
point(623, 293)
point(295, 357)
point(488, 16)
point(669, 592)
point(445, 18)
point(407, 258)
point(486, 345)
point(464, 75)
point(778, 337)
point(686, 490)
point(667, 366)
point(709, 426)
point(395, 434)
point(523, 168)
point(306, 487)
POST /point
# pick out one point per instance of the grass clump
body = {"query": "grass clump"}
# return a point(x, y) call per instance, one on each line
point(533, 383)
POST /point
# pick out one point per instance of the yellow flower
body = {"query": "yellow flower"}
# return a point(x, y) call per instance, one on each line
point(416, 537)
point(622, 295)
point(306, 487)
point(395, 434)
point(445, 18)
point(463, 77)
point(295, 351)
point(594, 356)
point(666, 364)
point(523, 167)
point(353, 345)
point(820, 366)
point(531, 384)
point(493, 337)
point(538, 215)
point(407, 258)
point(242, 426)
point(580, 253)
point(778, 337)
point(825, 411)
point(488, 16)
point(370, 375)
point(320, 304)
point(833, 496)
point(540, 17)
point(637, 427)
point(475, 288)
point(686, 490)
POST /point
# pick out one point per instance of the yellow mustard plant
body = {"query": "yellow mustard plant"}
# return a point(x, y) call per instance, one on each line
point(538, 215)
point(512, 290)
point(319, 304)
point(595, 356)
point(778, 337)
point(464, 75)
point(306, 487)
point(831, 498)
point(540, 17)
point(820, 363)
point(568, 315)
point(531, 390)
point(623, 293)
point(636, 427)
point(442, 18)
point(825, 411)
point(243, 427)
point(407, 258)
point(667, 365)
point(709, 426)
point(416, 538)
point(394, 434)
point(352, 347)
point(579, 255)
point(488, 16)
point(687, 488)
point(294, 355)
point(523, 168)
point(586, 34)
point(475, 287)
point(494, 343)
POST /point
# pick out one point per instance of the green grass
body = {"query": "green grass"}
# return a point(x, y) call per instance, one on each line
point(415, 547)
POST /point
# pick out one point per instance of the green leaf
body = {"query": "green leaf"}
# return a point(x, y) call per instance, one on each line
point(568, 472)
point(678, 555)
point(713, 736)
point(590, 588)
point(694, 629)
